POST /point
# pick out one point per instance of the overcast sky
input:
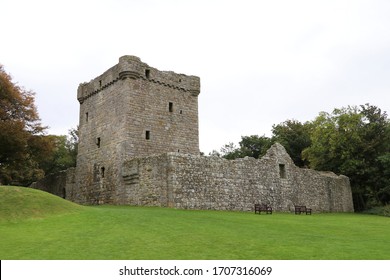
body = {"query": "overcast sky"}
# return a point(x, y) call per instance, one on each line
point(260, 62)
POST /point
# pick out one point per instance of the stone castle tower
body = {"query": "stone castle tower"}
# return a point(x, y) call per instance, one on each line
point(132, 110)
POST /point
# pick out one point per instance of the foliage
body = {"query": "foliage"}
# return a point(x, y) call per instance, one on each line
point(105, 232)
point(295, 137)
point(386, 210)
point(26, 153)
point(354, 141)
point(62, 152)
point(379, 210)
point(20, 131)
point(249, 146)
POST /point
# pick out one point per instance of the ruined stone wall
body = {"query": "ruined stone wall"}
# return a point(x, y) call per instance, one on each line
point(58, 183)
point(195, 182)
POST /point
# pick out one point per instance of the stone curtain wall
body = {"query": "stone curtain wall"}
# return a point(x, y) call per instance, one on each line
point(59, 183)
point(195, 182)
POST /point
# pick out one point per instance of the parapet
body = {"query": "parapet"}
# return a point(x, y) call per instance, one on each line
point(131, 67)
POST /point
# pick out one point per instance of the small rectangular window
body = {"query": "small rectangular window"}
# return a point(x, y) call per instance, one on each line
point(147, 73)
point(171, 107)
point(147, 135)
point(86, 116)
point(282, 171)
point(98, 142)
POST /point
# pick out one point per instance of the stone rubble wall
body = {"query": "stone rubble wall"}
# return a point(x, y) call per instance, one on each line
point(56, 183)
point(187, 181)
point(196, 182)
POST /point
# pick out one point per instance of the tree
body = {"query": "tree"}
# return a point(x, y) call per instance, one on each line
point(72, 145)
point(19, 124)
point(354, 141)
point(229, 151)
point(249, 146)
point(295, 137)
point(55, 153)
point(254, 146)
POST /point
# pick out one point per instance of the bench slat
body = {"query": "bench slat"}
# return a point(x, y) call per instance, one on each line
point(263, 207)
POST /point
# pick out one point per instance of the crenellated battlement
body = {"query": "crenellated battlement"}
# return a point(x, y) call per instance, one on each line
point(131, 67)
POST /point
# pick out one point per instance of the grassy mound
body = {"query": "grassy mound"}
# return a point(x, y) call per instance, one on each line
point(25, 203)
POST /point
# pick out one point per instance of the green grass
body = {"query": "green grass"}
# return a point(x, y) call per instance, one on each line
point(38, 225)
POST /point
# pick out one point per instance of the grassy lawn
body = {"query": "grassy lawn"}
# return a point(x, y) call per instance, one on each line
point(37, 225)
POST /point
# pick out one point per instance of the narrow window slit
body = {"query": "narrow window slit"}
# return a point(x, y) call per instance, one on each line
point(282, 171)
point(170, 107)
point(98, 142)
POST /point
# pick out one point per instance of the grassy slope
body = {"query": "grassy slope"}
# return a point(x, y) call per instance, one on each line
point(25, 203)
point(122, 232)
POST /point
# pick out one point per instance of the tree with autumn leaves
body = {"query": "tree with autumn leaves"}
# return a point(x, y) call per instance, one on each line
point(26, 153)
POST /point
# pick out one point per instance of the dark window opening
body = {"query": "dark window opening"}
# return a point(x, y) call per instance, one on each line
point(102, 171)
point(147, 135)
point(86, 117)
point(181, 112)
point(100, 83)
point(171, 107)
point(63, 193)
point(147, 73)
point(98, 142)
point(282, 171)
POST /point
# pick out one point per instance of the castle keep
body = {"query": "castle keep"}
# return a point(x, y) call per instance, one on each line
point(131, 110)
point(138, 145)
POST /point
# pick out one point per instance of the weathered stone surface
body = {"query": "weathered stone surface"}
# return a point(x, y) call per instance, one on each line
point(139, 145)
point(57, 183)
point(196, 182)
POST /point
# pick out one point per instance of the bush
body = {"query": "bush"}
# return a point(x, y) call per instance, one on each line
point(379, 210)
point(386, 210)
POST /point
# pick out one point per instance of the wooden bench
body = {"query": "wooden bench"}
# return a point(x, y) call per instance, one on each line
point(263, 207)
point(302, 209)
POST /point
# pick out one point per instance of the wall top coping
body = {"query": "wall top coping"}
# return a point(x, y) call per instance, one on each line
point(131, 67)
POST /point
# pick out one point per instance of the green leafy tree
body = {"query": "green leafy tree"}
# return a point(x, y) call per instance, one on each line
point(249, 146)
point(72, 145)
point(295, 137)
point(230, 151)
point(254, 145)
point(61, 152)
point(354, 141)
